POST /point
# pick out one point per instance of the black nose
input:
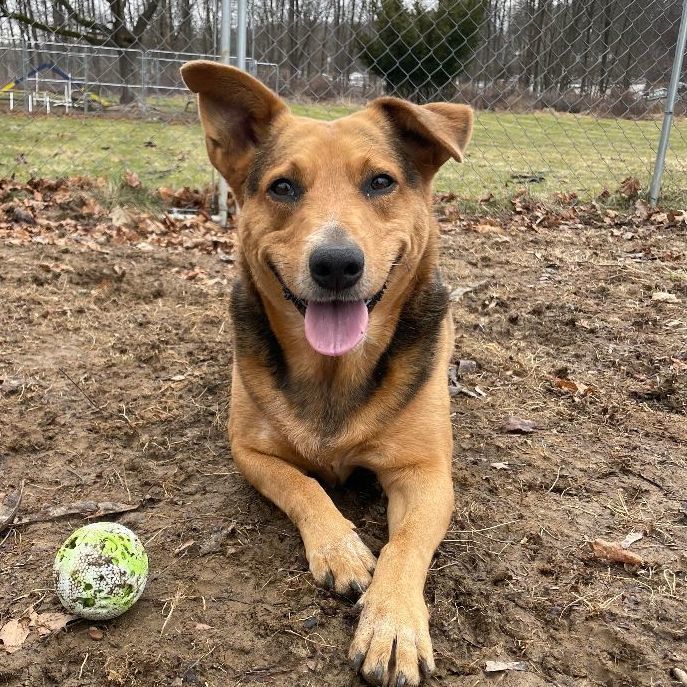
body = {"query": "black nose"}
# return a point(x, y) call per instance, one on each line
point(337, 267)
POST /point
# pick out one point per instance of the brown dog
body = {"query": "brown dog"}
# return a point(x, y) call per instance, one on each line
point(342, 337)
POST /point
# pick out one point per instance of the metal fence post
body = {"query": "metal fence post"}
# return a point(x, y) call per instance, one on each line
point(25, 72)
point(670, 104)
point(143, 81)
point(84, 88)
point(241, 34)
point(225, 47)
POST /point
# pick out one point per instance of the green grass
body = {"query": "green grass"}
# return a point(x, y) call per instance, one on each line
point(580, 154)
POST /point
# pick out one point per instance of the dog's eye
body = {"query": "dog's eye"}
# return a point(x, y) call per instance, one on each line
point(284, 190)
point(379, 184)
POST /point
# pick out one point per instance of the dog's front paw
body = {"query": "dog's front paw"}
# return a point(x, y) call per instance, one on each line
point(344, 564)
point(391, 645)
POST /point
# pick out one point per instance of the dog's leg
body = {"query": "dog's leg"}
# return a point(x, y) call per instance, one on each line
point(337, 557)
point(392, 644)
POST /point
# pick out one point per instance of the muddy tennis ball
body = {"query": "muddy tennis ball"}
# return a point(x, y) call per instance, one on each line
point(100, 571)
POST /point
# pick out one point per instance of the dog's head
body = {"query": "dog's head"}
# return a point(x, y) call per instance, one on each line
point(335, 215)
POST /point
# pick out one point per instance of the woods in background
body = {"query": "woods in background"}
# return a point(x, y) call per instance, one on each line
point(334, 48)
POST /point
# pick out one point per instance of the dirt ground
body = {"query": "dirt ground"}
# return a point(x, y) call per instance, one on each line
point(115, 359)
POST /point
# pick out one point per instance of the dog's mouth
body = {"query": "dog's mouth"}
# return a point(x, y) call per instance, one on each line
point(335, 326)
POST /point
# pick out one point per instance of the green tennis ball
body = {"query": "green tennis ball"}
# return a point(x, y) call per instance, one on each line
point(100, 571)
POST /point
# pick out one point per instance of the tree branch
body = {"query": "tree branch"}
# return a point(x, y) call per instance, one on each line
point(60, 31)
point(84, 21)
point(144, 19)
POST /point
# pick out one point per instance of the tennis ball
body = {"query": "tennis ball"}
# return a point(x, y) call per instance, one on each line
point(100, 571)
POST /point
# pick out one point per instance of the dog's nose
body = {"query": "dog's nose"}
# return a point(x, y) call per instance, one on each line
point(337, 267)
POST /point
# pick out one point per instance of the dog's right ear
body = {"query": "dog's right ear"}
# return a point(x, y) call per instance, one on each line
point(236, 112)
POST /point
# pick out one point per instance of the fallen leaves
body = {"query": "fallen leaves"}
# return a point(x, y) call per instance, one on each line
point(630, 187)
point(67, 212)
point(185, 197)
point(132, 179)
point(518, 425)
point(613, 552)
point(15, 633)
point(577, 389)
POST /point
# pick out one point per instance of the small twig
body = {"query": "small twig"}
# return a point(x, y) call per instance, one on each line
point(85, 395)
point(173, 605)
point(555, 482)
point(85, 658)
point(312, 641)
point(483, 529)
point(87, 509)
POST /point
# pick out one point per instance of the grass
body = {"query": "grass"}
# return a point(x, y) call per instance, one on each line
point(564, 153)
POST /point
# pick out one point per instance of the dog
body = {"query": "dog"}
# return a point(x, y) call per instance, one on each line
point(342, 337)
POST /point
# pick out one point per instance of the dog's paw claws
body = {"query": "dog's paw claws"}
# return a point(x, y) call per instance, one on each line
point(425, 668)
point(357, 662)
point(376, 676)
point(328, 580)
point(343, 565)
point(393, 635)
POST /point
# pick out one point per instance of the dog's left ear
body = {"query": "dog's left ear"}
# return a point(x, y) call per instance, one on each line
point(236, 111)
point(430, 134)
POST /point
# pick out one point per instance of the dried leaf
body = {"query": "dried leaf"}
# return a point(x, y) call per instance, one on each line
point(500, 466)
point(48, 623)
point(631, 539)
point(575, 388)
point(630, 187)
point(642, 209)
point(664, 297)
point(186, 545)
point(500, 666)
point(14, 633)
point(460, 291)
point(487, 228)
point(517, 425)
point(203, 627)
point(120, 217)
point(131, 179)
point(614, 553)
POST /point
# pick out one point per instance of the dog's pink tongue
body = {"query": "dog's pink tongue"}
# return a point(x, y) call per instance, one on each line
point(334, 328)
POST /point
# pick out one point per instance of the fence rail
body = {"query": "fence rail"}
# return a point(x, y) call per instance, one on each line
point(569, 94)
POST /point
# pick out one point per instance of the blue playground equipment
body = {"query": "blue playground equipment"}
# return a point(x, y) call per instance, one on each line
point(40, 68)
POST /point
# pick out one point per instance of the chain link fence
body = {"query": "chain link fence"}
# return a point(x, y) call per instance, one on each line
point(569, 94)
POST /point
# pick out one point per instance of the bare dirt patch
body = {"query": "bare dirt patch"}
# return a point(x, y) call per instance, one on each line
point(115, 360)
